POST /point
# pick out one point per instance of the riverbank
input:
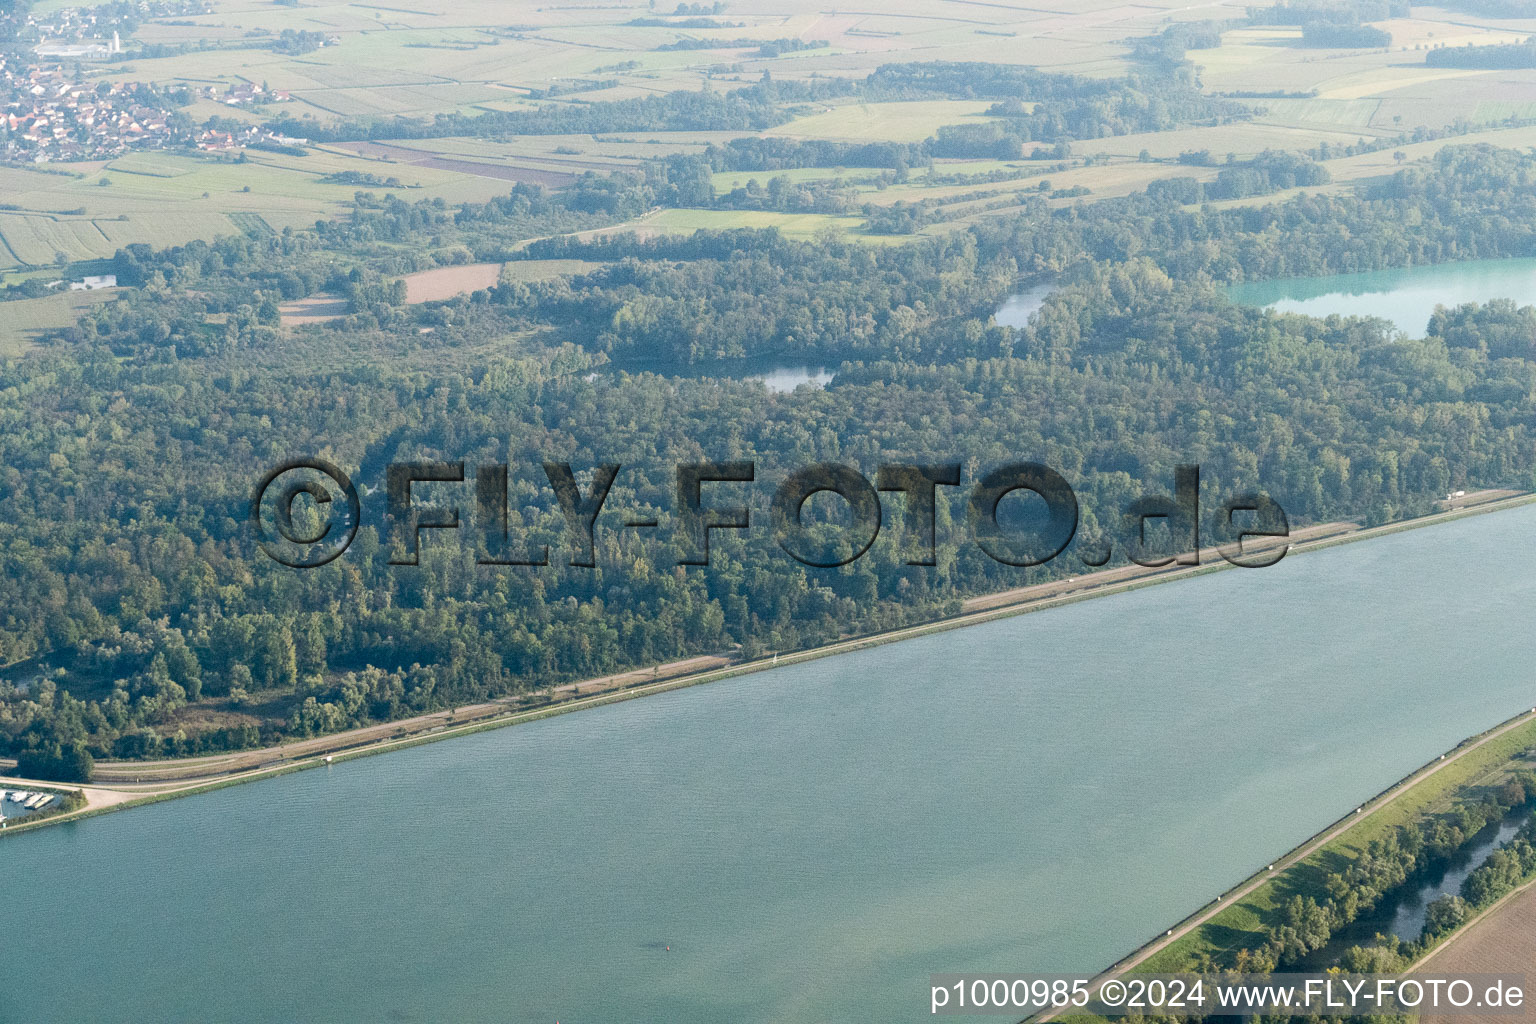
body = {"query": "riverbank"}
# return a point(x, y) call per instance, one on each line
point(116, 787)
point(1240, 907)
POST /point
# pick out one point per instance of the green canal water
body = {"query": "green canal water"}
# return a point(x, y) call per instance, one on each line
point(1406, 297)
point(1036, 794)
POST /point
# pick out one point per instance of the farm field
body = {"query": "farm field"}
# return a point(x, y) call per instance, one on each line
point(170, 199)
point(1350, 169)
point(1106, 180)
point(314, 309)
point(1503, 942)
point(436, 57)
point(1342, 114)
point(439, 56)
point(1243, 139)
point(25, 319)
point(1346, 81)
point(792, 225)
point(883, 122)
point(549, 150)
point(446, 282)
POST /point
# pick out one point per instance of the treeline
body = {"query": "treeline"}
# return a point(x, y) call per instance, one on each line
point(780, 154)
point(1334, 23)
point(1303, 12)
point(1034, 106)
point(1495, 56)
point(783, 195)
point(231, 272)
point(130, 443)
point(769, 48)
point(1309, 921)
point(1495, 8)
point(66, 761)
point(1343, 35)
point(361, 179)
point(751, 109)
point(1270, 171)
point(1505, 870)
point(290, 41)
point(664, 22)
point(1171, 45)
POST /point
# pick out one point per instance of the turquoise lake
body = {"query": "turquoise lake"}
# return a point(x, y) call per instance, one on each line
point(1406, 297)
point(1039, 793)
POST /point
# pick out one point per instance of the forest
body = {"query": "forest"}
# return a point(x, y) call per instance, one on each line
point(1062, 107)
point(131, 441)
point(1497, 56)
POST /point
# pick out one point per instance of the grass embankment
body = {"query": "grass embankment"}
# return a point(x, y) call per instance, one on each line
point(345, 746)
point(1422, 795)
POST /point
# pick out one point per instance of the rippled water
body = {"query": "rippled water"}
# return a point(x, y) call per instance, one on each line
point(1039, 793)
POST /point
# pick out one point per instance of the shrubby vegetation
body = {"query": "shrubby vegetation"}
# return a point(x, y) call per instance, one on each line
point(1389, 863)
point(1507, 868)
point(1325, 901)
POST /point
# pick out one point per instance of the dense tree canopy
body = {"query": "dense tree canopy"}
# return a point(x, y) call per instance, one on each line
point(131, 442)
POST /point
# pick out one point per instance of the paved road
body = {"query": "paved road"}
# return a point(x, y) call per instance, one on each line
point(213, 765)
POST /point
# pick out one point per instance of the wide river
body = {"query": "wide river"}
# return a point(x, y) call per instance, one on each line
point(1406, 296)
point(1039, 793)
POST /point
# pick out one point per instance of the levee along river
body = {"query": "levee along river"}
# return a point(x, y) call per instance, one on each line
point(808, 844)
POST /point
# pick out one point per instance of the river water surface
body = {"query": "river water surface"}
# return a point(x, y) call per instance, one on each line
point(1039, 793)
